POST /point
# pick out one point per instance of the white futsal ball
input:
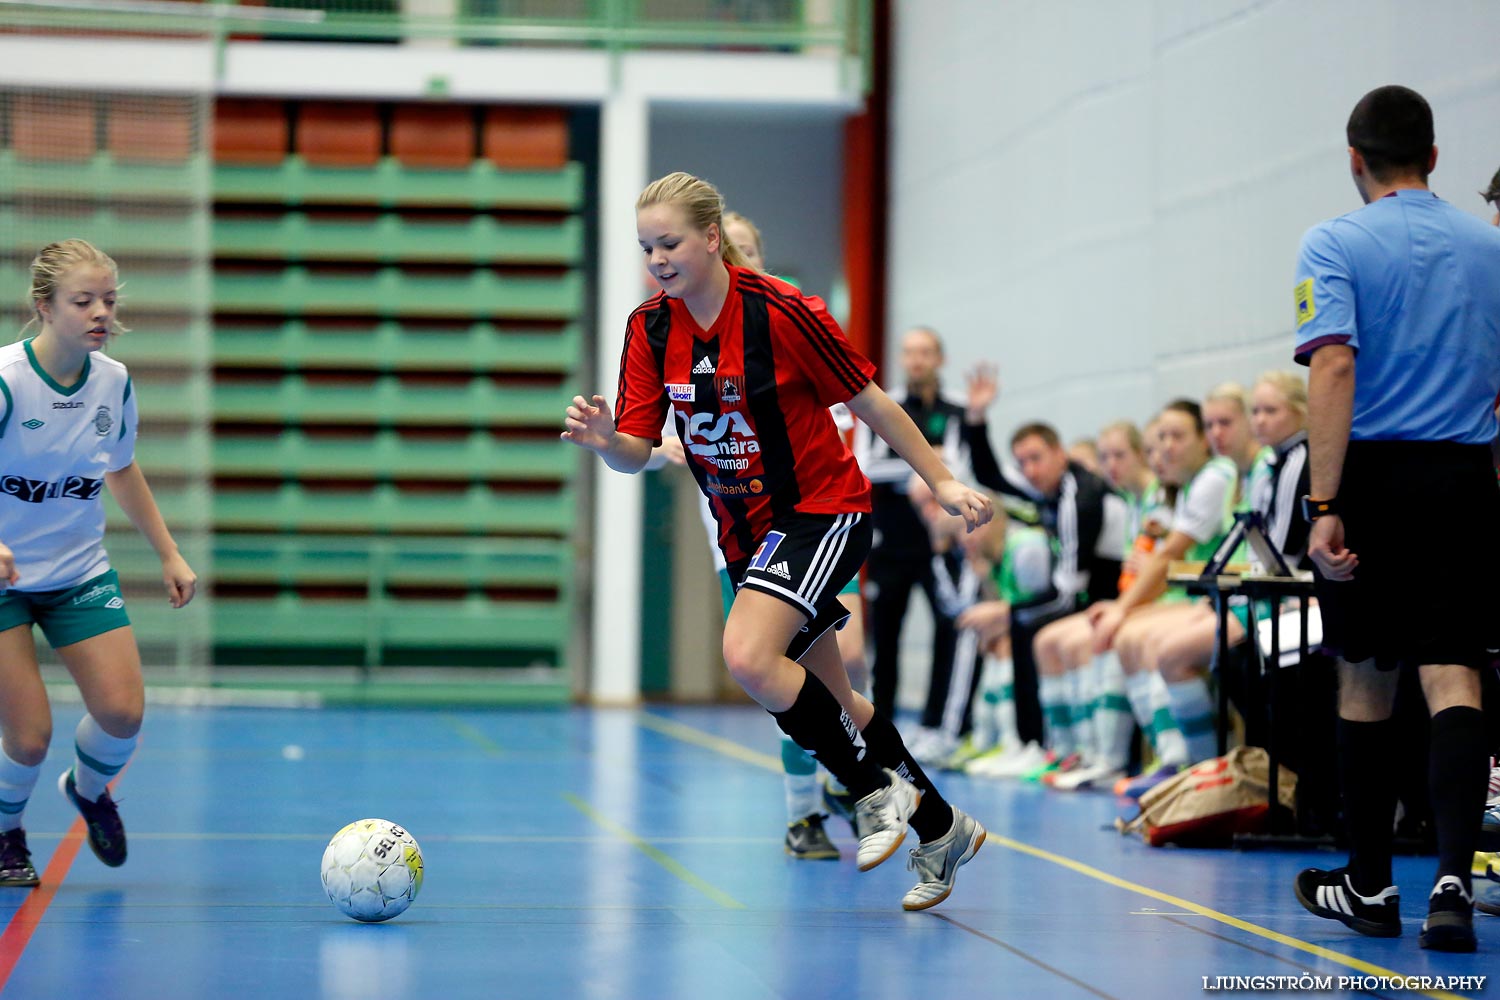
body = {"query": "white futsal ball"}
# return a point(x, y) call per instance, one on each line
point(372, 870)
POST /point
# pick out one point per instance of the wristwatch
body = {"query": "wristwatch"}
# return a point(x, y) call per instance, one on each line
point(1314, 509)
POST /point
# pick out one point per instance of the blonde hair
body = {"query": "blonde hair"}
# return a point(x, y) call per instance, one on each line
point(1131, 432)
point(700, 201)
point(760, 244)
point(1292, 388)
point(56, 260)
point(1230, 392)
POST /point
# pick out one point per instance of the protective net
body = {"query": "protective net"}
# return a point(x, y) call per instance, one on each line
point(127, 171)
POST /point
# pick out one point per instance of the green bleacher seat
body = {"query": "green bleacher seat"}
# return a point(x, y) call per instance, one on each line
point(471, 623)
point(385, 508)
point(475, 623)
point(171, 231)
point(164, 344)
point(289, 620)
point(388, 455)
point(169, 397)
point(390, 347)
point(106, 178)
point(390, 401)
point(182, 454)
point(389, 185)
point(290, 561)
point(178, 506)
point(390, 292)
point(390, 239)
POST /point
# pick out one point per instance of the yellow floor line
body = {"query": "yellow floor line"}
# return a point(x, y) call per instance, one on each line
point(474, 736)
point(660, 857)
point(718, 744)
point(697, 737)
point(1336, 957)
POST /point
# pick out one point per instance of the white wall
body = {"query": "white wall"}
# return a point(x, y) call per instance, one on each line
point(1106, 197)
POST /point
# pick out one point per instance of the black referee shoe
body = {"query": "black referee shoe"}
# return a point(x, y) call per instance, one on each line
point(1332, 895)
point(1450, 917)
point(106, 831)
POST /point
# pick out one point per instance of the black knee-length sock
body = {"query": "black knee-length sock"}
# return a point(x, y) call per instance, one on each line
point(1367, 760)
point(1458, 779)
point(818, 724)
point(934, 817)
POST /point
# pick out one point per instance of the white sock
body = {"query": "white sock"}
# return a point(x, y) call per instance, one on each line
point(800, 772)
point(1171, 747)
point(1138, 693)
point(1084, 691)
point(802, 799)
point(100, 757)
point(1114, 724)
point(1052, 692)
point(986, 709)
point(1005, 709)
point(16, 784)
point(1194, 711)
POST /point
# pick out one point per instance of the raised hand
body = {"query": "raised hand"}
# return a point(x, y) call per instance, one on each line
point(589, 425)
point(984, 388)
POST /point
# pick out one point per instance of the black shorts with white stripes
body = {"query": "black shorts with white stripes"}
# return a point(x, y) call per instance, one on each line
point(805, 560)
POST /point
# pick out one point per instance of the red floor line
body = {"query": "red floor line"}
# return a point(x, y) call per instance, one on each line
point(23, 921)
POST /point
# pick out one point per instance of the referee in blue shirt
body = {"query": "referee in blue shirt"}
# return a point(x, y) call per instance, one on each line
point(1398, 317)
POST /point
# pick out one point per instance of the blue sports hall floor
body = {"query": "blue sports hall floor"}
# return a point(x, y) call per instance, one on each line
point(576, 853)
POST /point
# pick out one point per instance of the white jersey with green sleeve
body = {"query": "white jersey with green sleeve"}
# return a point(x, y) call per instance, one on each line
point(56, 444)
point(1205, 507)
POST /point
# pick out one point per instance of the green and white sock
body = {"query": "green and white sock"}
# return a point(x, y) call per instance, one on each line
point(100, 757)
point(1053, 692)
point(17, 781)
point(1114, 724)
point(1193, 708)
point(1171, 746)
point(1082, 689)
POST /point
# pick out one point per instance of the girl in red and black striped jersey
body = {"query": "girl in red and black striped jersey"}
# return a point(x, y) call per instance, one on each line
point(748, 367)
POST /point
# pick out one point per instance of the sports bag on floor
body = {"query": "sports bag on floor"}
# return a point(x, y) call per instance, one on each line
point(1210, 803)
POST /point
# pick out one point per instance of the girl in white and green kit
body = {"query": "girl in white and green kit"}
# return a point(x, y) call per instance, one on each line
point(67, 431)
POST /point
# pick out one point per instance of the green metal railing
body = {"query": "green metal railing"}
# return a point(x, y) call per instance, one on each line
point(613, 25)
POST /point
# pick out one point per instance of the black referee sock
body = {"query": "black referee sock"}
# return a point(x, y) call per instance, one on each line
point(1367, 767)
point(818, 724)
point(934, 817)
point(1458, 778)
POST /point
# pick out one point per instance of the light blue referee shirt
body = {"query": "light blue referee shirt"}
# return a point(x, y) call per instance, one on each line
point(1413, 285)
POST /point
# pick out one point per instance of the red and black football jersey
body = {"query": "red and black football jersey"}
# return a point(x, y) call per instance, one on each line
point(750, 399)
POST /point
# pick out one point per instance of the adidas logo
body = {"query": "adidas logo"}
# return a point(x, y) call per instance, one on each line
point(780, 569)
point(704, 367)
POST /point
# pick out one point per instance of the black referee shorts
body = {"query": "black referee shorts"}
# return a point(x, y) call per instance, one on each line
point(1424, 519)
point(805, 560)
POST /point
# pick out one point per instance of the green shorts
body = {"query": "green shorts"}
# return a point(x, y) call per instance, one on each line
point(71, 615)
point(1241, 611)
